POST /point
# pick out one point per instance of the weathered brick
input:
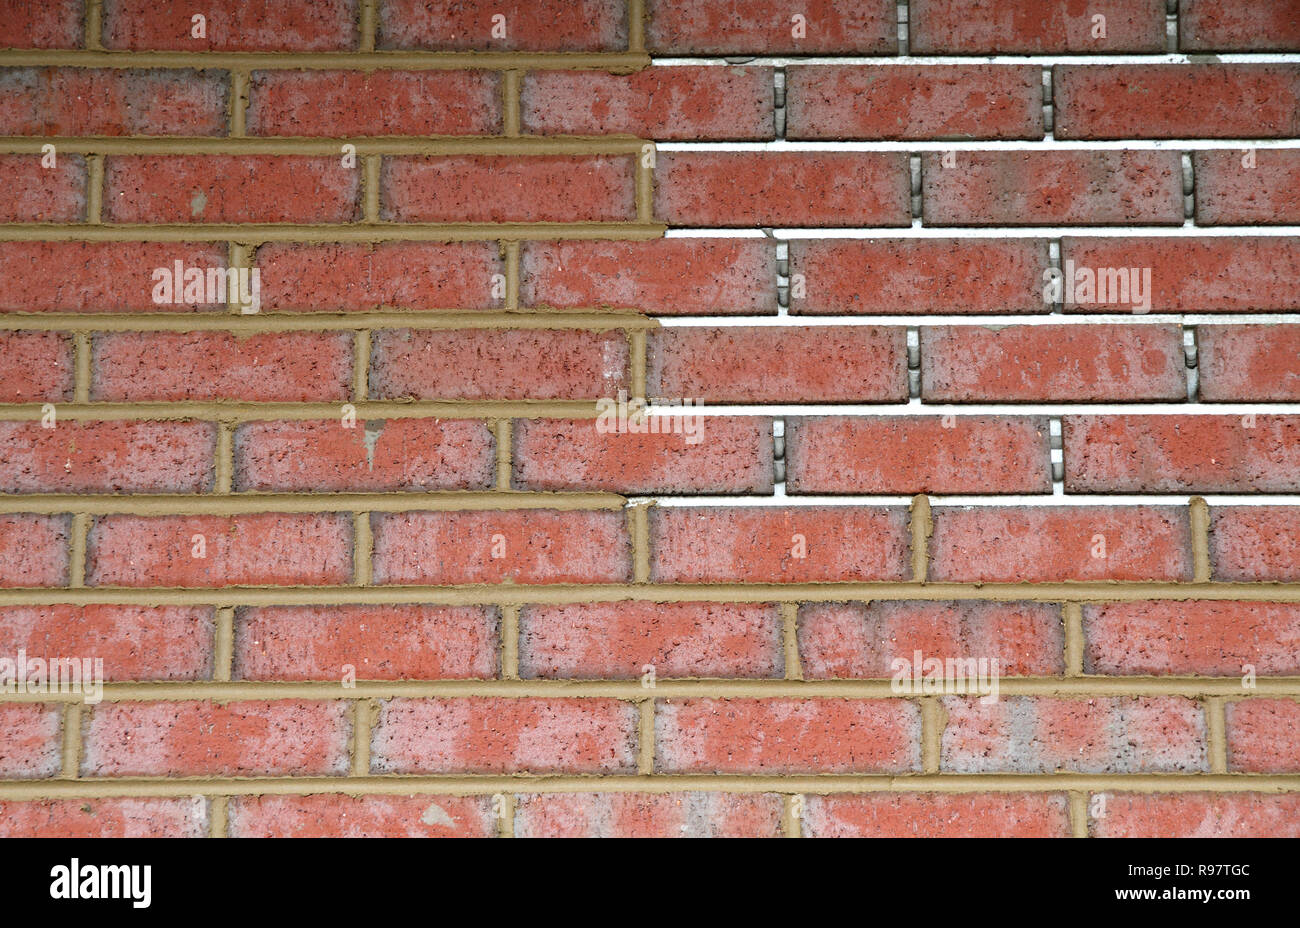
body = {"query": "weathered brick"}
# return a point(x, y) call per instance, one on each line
point(718, 189)
point(229, 188)
point(787, 736)
point(916, 454)
point(972, 27)
point(523, 546)
point(50, 24)
point(394, 454)
point(337, 816)
point(1197, 815)
point(113, 102)
point(1248, 362)
point(34, 193)
point(690, 454)
point(1262, 735)
point(778, 364)
point(1028, 734)
point(855, 640)
point(914, 102)
point(38, 367)
point(134, 642)
point(692, 103)
point(1204, 638)
point(232, 25)
point(378, 642)
point(936, 815)
point(1055, 543)
point(917, 276)
point(1052, 188)
point(383, 275)
point(105, 818)
point(648, 815)
point(1247, 188)
point(618, 640)
point(500, 735)
point(1166, 454)
point(1216, 26)
point(31, 746)
point(326, 103)
point(107, 457)
point(482, 364)
point(792, 544)
point(769, 27)
point(163, 366)
point(262, 548)
point(246, 738)
point(1052, 363)
point(1175, 101)
point(33, 550)
point(1249, 543)
point(535, 25)
point(671, 277)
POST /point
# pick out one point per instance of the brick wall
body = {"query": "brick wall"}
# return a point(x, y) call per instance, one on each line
point(363, 551)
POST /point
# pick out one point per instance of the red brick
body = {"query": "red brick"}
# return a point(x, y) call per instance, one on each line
point(232, 25)
point(384, 275)
point(1052, 363)
point(1166, 454)
point(1052, 188)
point(767, 27)
point(1174, 101)
point(691, 103)
point(1262, 735)
point(337, 816)
point(648, 815)
point(1198, 815)
point(38, 367)
point(917, 276)
point(1248, 362)
point(536, 546)
point(378, 642)
point(482, 364)
point(113, 102)
point(502, 735)
point(105, 818)
point(785, 364)
point(971, 27)
point(134, 642)
point(935, 815)
point(247, 550)
point(914, 102)
point(1217, 26)
point(236, 739)
point(95, 277)
point(862, 640)
point(33, 550)
point(30, 741)
point(618, 640)
point(787, 736)
point(1029, 734)
point(229, 188)
point(504, 188)
point(670, 277)
point(325, 103)
point(1198, 275)
point(917, 454)
point(1229, 192)
point(718, 189)
point(33, 193)
point(1250, 543)
point(107, 457)
point(48, 24)
point(397, 454)
point(173, 366)
point(761, 544)
point(535, 25)
point(1055, 543)
point(1214, 639)
point(718, 454)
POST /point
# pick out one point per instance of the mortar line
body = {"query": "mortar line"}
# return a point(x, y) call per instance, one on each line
point(320, 145)
point(933, 721)
point(371, 167)
point(1072, 616)
point(94, 189)
point(615, 62)
point(638, 526)
point(479, 785)
point(223, 645)
point(93, 37)
point(645, 183)
point(645, 759)
point(360, 365)
point(332, 232)
point(510, 258)
point(362, 549)
point(362, 722)
point(238, 104)
point(1199, 515)
point(636, 26)
point(71, 745)
point(240, 411)
point(78, 530)
point(790, 640)
point(921, 527)
point(366, 26)
point(82, 354)
point(503, 433)
point(510, 641)
point(1216, 734)
point(637, 358)
point(218, 816)
point(506, 815)
point(223, 464)
point(511, 89)
point(1078, 801)
point(262, 323)
point(238, 256)
point(791, 823)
